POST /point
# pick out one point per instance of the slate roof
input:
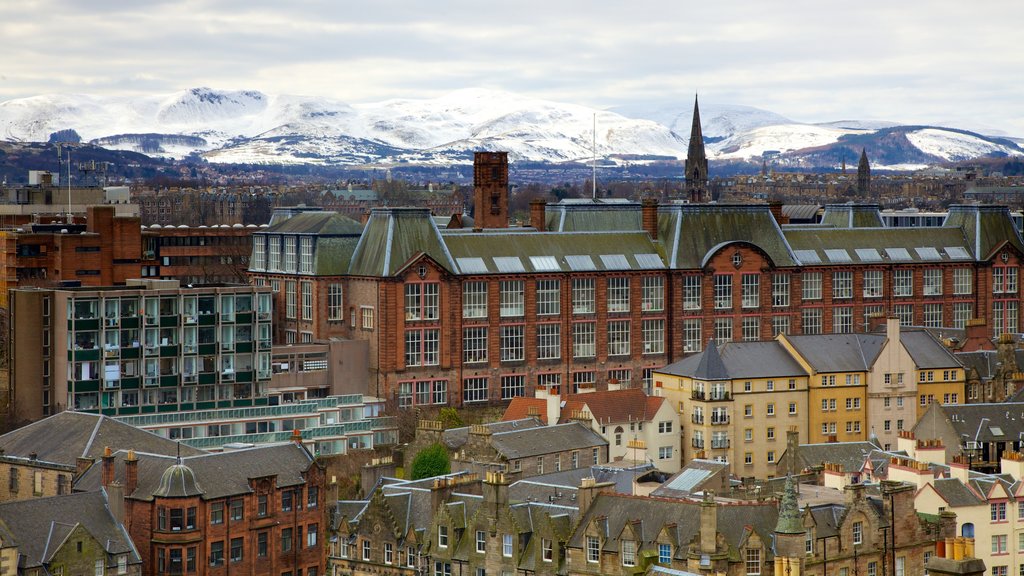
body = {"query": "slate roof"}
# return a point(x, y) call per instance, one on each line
point(927, 352)
point(1004, 422)
point(592, 216)
point(324, 223)
point(852, 216)
point(692, 232)
point(392, 237)
point(691, 478)
point(804, 240)
point(65, 436)
point(984, 227)
point(38, 525)
point(218, 475)
point(454, 438)
point(983, 361)
point(850, 455)
point(838, 352)
point(524, 443)
point(739, 360)
point(801, 212)
point(567, 482)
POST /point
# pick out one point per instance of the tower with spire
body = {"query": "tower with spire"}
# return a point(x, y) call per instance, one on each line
point(696, 160)
point(863, 174)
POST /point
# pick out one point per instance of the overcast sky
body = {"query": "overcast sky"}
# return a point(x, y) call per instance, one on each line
point(911, 61)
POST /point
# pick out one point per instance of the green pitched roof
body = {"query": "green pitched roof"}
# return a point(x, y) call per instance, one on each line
point(984, 228)
point(852, 216)
point(692, 232)
point(316, 223)
point(877, 245)
point(592, 216)
point(392, 237)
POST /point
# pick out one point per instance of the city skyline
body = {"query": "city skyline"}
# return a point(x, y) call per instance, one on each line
point(913, 62)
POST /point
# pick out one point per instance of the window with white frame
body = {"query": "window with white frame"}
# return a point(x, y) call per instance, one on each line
point(422, 347)
point(691, 292)
point(664, 452)
point(421, 301)
point(902, 283)
point(549, 341)
point(932, 282)
point(474, 300)
point(306, 255)
point(962, 312)
point(723, 291)
point(511, 295)
point(618, 294)
point(512, 386)
point(549, 297)
point(811, 282)
point(963, 281)
point(780, 290)
point(842, 284)
point(474, 390)
point(546, 550)
point(842, 319)
point(442, 536)
point(583, 296)
point(905, 313)
point(583, 342)
point(628, 553)
point(858, 532)
point(692, 341)
point(618, 338)
point(289, 299)
point(873, 284)
point(652, 294)
point(723, 330)
point(751, 328)
point(335, 302)
point(654, 336)
point(593, 549)
point(274, 263)
point(481, 541)
point(1004, 316)
point(582, 380)
point(506, 545)
point(366, 317)
point(780, 325)
point(307, 299)
point(751, 290)
point(548, 381)
point(289, 254)
point(512, 343)
point(1004, 279)
point(753, 561)
point(810, 320)
point(933, 315)
point(474, 344)
point(259, 252)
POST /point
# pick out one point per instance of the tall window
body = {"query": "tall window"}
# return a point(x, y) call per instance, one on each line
point(307, 300)
point(289, 254)
point(512, 298)
point(421, 301)
point(474, 344)
point(335, 303)
point(753, 561)
point(653, 294)
point(905, 313)
point(751, 328)
point(259, 252)
point(512, 343)
point(583, 296)
point(549, 341)
point(780, 290)
point(628, 553)
point(275, 253)
point(842, 319)
point(618, 338)
point(691, 292)
point(1004, 280)
point(962, 312)
point(780, 325)
point(654, 336)
point(858, 532)
point(549, 297)
point(692, 341)
point(506, 545)
point(593, 549)
point(933, 315)
point(723, 330)
point(812, 286)
point(474, 390)
point(932, 282)
point(842, 284)
point(306, 255)
point(963, 281)
point(474, 300)
point(811, 320)
point(583, 342)
point(751, 288)
point(289, 299)
point(902, 283)
point(618, 294)
point(422, 347)
point(872, 283)
point(723, 291)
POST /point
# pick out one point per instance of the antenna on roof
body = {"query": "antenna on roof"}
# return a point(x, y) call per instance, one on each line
point(593, 165)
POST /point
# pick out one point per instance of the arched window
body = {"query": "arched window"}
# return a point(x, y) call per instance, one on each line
point(618, 435)
point(967, 530)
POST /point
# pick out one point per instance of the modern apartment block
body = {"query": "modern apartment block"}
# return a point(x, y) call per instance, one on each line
point(149, 346)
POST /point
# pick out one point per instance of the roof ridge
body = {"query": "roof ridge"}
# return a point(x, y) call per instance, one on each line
point(92, 437)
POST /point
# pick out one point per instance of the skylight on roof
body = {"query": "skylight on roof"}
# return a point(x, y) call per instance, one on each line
point(580, 263)
point(544, 263)
point(509, 264)
point(615, 262)
point(649, 261)
point(995, 430)
point(899, 254)
point(957, 253)
point(471, 265)
point(807, 256)
point(838, 255)
point(927, 253)
point(868, 254)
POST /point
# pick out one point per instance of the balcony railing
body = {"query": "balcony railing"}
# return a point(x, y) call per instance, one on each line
point(697, 443)
point(712, 396)
point(719, 420)
point(721, 443)
point(697, 419)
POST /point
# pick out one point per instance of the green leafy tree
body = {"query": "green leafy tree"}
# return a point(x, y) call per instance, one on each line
point(431, 461)
point(450, 418)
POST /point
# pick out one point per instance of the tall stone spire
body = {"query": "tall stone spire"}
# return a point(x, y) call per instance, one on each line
point(789, 511)
point(863, 174)
point(696, 160)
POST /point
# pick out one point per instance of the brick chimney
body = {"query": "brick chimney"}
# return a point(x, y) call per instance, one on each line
point(81, 465)
point(976, 336)
point(131, 472)
point(537, 207)
point(108, 466)
point(649, 217)
point(775, 207)
point(708, 524)
point(588, 491)
point(490, 189)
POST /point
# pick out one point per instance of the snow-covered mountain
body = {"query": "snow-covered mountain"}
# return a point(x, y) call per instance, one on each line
point(252, 127)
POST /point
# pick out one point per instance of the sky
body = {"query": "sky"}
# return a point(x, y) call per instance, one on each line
point(955, 63)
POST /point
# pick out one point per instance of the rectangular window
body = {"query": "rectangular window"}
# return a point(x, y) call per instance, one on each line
point(932, 285)
point(275, 253)
point(335, 304)
point(549, 297)
point(664, 553)
point(902, 283)
point(618, 338)
point(998, 511)
point(237, 509)
point(217, 513)
point(511, 292)
point(389, 553)
point(481, 541)
point(780, 325)
point(842, 285)
point(723, 292)
point(307, 300)
point(691, 292)
point(692, 335)
point(780, 290)
point(723, 330)
point(842, 319)
point(474, 300)
point(217, 553)
point(583, 342)
point(753, 561)
point(474, 344)
point(289, 293)
point(512, 386)
point(442, 536)
point(289, 254)
point(873, 284)
point(506, 545)
point(628, 553)
point(933, 315)
point(474, 390)
point(366, 313)
point(751, 290)
point(546, 550)
point(306, 254)
point(751, 328)
point(583, 296)
point(811, 320)
point(582, 380)
point(512, 343)
point(811, 286)
point(422, 301)
point(593, 549)
point(259, 252)
point(858, 532)
point(999, 544)
point(549, 341)
point(618, 294)
point(653, 294)
point(654, 336)
point(905, 314)
point(963, 281)
point(236, 549)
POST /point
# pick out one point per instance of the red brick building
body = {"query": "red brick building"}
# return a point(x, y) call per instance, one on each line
point(252, 511)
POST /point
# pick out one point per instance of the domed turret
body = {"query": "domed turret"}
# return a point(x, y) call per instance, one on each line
point(178, 481)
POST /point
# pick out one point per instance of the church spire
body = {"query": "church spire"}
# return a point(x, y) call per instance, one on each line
point(696, 160)
point(863, 174)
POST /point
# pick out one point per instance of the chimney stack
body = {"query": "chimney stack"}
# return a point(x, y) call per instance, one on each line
point(537, 207)
point(775, 207)
point(108, 466)
point(490, 189)
point(649, 217)
point(131, 472)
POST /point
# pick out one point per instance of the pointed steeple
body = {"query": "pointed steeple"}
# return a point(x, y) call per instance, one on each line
point(711, 366)
point(789, 511)
point(863, 174)
point(696, 160)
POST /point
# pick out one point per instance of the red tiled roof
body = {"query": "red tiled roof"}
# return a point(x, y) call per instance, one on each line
point(631, 404)
point(520, 407)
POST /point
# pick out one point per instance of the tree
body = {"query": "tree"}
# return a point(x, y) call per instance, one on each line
point(450, 418)
point(431, 461)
